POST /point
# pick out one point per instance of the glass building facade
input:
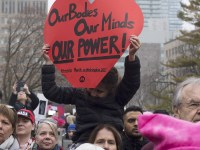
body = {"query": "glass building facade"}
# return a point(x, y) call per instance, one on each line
point(161, 9)
point(23, 6)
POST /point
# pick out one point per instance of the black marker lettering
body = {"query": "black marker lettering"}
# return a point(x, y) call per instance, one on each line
point(62, 51)
point(55, 17)
point(111, 23)
point(104, 45)
point(82, 27)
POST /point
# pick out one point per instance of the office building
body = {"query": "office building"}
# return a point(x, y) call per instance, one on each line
point(11, 7)
point(154, 10)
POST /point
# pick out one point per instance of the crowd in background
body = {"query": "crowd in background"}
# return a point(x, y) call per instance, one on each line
point(100, 121)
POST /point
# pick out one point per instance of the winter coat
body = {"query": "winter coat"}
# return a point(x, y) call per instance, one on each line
point(94, 111)
point(31, 105)
point(130, 143)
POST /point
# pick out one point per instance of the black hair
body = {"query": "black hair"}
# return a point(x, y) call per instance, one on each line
point(111, 78)
point(133, 108)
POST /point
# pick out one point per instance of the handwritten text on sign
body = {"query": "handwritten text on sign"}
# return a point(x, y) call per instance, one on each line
point(87, 39)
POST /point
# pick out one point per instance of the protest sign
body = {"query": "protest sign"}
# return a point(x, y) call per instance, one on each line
point(87, 39)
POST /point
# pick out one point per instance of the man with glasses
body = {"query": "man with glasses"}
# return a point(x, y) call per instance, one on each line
point(186, 102)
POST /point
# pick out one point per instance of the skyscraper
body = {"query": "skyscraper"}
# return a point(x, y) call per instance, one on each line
point(10, 10)
point(10, 7)
point(161, 9)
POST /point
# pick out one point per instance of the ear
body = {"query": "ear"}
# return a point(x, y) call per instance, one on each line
point(176, 112)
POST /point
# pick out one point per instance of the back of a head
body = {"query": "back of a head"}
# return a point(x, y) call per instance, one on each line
point(88, 146)
point(71, 119)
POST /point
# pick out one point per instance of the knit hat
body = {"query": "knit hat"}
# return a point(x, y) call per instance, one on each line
point(27, 114)
point(88, 146)
point(169, 133)
point(71, 127)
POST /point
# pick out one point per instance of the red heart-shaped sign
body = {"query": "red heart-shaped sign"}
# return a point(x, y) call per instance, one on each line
point(87, 39)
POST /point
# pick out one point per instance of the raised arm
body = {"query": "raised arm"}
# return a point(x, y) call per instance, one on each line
point(49, 87)
point(130, 82)
point(13, 97)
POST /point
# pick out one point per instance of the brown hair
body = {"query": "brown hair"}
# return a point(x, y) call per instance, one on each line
point(109, 127)
point(9, 113)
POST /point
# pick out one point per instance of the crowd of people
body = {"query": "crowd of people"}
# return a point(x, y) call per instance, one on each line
point(101, 121)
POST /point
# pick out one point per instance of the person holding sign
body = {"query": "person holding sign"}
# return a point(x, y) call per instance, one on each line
point(103, 104)
point(23, 98)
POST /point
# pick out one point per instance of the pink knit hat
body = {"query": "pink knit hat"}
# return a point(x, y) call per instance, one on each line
point(169, 133)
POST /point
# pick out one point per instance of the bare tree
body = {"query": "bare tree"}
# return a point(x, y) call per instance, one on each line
point(22, 52)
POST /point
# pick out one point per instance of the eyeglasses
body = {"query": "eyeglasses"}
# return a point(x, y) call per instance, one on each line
point(192, 105)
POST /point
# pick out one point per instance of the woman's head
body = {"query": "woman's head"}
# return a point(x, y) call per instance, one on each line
point(22, 90)
point(25, 122)
point(8, 120)
point(46, 134)
point(21, 96)
point(106, 136)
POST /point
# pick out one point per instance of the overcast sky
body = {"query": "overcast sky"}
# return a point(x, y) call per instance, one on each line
point(185, 25)
point(50, 2)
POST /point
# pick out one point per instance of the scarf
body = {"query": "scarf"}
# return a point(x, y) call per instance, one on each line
point(7, 143)
point(36, 147)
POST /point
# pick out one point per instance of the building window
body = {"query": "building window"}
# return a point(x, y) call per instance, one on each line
point(44, 8)
point(13, 6)
point(22, 8)
point(10, 7)
point(2, 7)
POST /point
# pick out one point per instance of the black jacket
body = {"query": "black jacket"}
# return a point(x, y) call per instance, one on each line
point(93, 111)
point(31, 105)
point(129, 143)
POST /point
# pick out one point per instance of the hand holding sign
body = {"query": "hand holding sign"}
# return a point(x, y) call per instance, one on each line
point(45, 50)
point(87, 39)
point(133, 47)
